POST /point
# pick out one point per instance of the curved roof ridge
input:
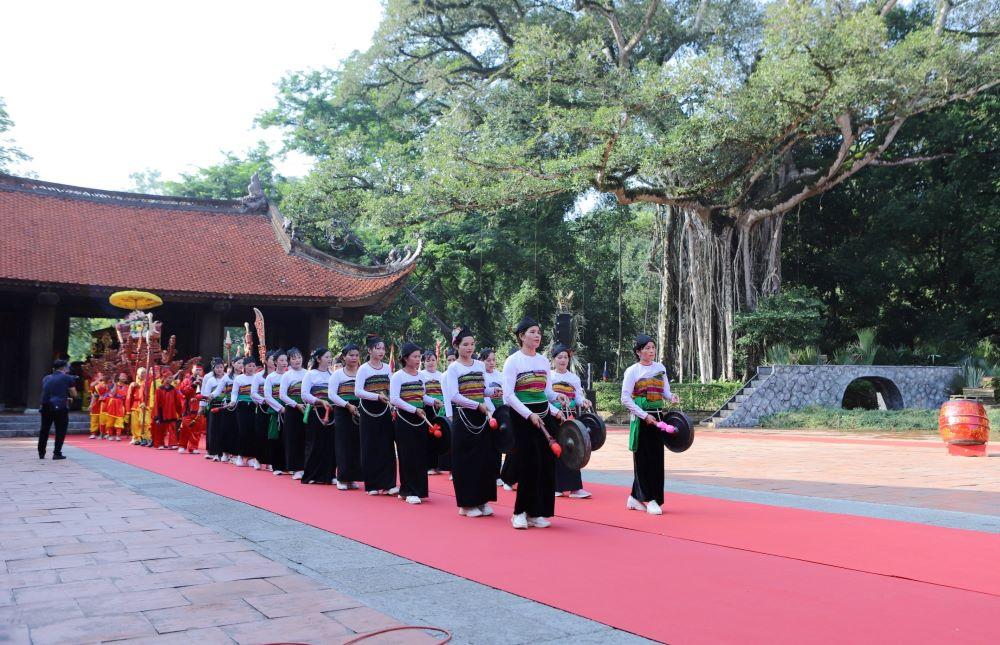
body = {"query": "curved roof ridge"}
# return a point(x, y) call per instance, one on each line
point(68, 191)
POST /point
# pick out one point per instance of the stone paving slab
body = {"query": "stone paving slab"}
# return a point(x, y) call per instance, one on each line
point(86, 560)
point(212, 570)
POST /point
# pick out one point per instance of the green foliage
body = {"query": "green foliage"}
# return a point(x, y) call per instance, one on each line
point(81, 340)
point(9, 152)
point(867, 420)
point(701, 397)
point(226, 180)
point(794, 316)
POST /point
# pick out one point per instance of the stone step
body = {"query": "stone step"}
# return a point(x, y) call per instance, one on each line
point(739, 398)
point(724, 413)
point(765, 371)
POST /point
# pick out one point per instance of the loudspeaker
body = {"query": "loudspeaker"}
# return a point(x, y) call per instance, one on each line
point(564, 329)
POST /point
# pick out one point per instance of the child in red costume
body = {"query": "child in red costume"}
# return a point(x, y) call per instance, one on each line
point(169, 409)
point(193, 422)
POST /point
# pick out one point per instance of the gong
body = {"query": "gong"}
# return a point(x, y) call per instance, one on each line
point(574, 439)
point(682, 439)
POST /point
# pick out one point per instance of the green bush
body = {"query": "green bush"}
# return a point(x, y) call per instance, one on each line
point(693, 396)
point(838, 419)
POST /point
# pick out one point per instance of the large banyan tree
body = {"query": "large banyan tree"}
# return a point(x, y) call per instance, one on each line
point(724, 115)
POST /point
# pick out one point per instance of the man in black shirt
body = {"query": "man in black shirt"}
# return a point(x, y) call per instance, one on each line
point(57, 392)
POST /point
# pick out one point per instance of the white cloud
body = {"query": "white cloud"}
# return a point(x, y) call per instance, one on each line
point(100, 89)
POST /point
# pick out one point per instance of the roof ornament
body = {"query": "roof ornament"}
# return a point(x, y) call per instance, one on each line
point(255, 198)
point(405, 256)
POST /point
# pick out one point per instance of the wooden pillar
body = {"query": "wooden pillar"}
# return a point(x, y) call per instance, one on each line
point(40, 345)
point(319, 330)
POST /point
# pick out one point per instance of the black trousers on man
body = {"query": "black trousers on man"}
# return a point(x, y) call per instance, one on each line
point(50, 415)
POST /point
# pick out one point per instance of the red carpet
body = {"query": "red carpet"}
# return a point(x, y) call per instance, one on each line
point(709, 571)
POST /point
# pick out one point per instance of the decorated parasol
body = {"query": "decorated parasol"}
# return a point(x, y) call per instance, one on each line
point(135, 300)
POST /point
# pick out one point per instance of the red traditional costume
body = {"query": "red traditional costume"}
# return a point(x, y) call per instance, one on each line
point(169, 409)
point(193, 423)
point(98, 391)
point(113, 413)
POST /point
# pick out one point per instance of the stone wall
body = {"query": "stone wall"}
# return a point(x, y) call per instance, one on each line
point(789, 387)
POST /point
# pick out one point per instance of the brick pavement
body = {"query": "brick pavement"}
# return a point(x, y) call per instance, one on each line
point(87, 560)
point(885, 471)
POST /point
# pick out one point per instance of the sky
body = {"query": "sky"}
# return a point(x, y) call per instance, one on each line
point(101, 89)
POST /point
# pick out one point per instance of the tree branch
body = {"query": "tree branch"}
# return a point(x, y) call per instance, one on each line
point(906, 161)
point(647, 19)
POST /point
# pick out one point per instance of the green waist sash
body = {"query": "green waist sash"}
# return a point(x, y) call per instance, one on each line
point(633, 426)
point(273, 423)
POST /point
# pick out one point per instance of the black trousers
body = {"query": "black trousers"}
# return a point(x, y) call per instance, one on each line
point(647, 461)
point(536, 468)
point(246, 444)
point(50, 415)
point(378, 449)
point(411, 445)
point(294, 434)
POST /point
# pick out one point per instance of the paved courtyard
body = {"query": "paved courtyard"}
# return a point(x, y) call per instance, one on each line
point(94, 550)
point(912, 472)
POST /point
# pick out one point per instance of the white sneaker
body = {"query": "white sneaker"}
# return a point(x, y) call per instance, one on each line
point(486, 510)
point(654, 509)
point(634, 505)
point(451, 478)
point(499, 482)
point(239, 463)
point(558, 494)
point(279, 472)
point(579, 494)
point(208, 456)
point(353, 486)
point(253, 463)
point(93, 436)
point(195, 452)
point(508, 488)
point(539, 522)
point(335, 482)
point(473, 512)
point(432, 472)
point(412, 499)
point(160, 448)
point(181, 451)
point(373, 492)
point(225, 459)
point(298, 474)
point(394, 490)
point(519, 521)
point(341, 486)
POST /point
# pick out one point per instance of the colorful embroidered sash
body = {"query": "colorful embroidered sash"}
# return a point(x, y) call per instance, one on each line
point(345, 390)
point(472, 386)
point(530, 386)
point(412, 393)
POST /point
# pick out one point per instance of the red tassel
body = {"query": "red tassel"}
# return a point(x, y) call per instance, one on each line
point(556, 449)
point(494, 424)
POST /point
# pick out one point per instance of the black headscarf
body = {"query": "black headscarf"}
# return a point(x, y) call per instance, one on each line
point(526, 323)
point(407, 349)
point(560, 348)
point(372, 341)
point(459, 334)
point(350, 347)
point(641, 341)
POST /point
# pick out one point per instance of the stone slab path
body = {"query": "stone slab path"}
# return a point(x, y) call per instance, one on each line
point(94, 550)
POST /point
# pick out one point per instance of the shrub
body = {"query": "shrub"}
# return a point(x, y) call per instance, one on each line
point(693, 396)
point(837, 419)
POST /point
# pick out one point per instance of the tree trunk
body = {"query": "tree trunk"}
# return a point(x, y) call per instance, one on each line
point(663, 263)
point(711, 271)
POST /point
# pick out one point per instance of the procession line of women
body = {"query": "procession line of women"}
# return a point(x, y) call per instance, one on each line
point(351, 424)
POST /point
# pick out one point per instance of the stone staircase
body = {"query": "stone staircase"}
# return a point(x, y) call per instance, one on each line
point(763, 373)
point(27, 425)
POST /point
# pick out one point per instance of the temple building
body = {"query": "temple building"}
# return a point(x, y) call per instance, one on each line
point(65, 249)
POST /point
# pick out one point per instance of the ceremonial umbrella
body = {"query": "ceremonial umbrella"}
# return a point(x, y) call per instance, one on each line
point(135, 299)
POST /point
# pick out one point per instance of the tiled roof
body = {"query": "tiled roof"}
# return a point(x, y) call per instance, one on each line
point(64, 236)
